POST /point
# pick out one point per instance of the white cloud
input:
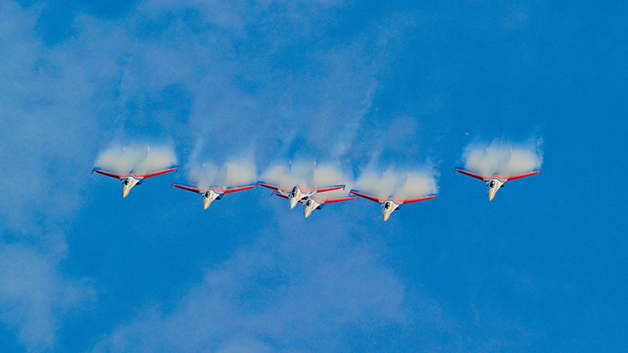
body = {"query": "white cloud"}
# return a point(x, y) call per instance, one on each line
point(287, 290)
point(112, 78)
point(35, 295)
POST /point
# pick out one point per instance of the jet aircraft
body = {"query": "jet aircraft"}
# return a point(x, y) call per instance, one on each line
point(298, 193)
point(495, 182)
point(131, 179)
point(212, 193)
point(390, 204)
point(312, 203)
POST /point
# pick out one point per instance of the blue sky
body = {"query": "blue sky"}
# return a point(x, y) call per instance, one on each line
point(359, 84)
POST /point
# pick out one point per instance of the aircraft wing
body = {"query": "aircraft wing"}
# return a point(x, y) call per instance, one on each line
point(230, 190)
point(332, 188)
point(149, 175)
point(368, 197)
point(280, 195)
point(188, 188)
point(514, 177)
point(415, 200)
point(272, 187)
point(109, 174)
point(334, 200)
point(473, 175)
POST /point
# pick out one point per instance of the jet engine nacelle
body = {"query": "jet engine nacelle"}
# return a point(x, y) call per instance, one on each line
point(295, 196)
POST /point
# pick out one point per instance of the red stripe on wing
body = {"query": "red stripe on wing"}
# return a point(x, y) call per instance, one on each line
point(514, 177)
point(330, 188)
point(336, 200)
point(113, 175)
point(415, 200)
point(188, 188)
point(280, 195)
point(227, 191)
point(368, 197)
point(268, 186)
point(149, 175)
point(473, 175)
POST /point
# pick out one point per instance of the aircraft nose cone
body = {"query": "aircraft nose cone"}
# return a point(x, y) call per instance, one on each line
point(386, 215)
point(206, 203)
point(293, 202)
point(125, 191)
point(307, 212)
point(491, 194)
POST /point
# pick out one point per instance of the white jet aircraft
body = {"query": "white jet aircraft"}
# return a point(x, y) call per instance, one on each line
point(132, 179)
point(211, 194)
point(311, 203)
point(298, 193)
point(495, 182)
point(389, 205)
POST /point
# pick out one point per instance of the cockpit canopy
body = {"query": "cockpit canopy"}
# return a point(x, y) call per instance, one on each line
point(126, 181)
point(491, 184)
point(387, 206)
point(294, 192)
point(309, 203)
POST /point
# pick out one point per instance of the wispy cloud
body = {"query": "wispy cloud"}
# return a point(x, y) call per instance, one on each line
point(284, 292)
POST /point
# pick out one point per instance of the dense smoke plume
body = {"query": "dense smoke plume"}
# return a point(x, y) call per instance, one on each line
point(502, 158)
point(137, 158)
point(237, 172)
point(309, 175)
point(401, 185)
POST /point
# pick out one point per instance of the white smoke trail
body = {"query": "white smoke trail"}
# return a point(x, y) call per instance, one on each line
point(308, 175)
point(137, 158)
point(237, 172)
point(401, 185)
point(502, 158)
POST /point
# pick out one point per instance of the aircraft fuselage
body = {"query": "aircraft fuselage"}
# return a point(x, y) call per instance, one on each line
point(297, 195)
point(128, 183)
point(493, 185)
point(208, 197)
point(388, 207)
